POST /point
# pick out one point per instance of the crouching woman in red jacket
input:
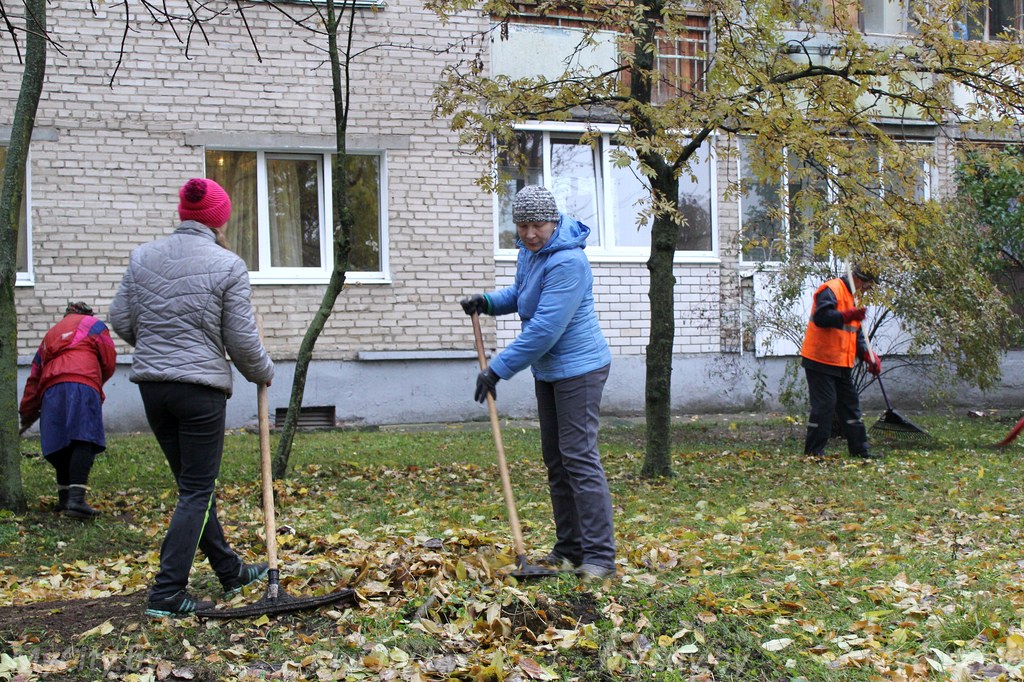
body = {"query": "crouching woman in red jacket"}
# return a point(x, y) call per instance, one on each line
point(65, 392)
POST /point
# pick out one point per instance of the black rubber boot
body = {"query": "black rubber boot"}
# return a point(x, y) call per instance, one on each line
point(77, 507)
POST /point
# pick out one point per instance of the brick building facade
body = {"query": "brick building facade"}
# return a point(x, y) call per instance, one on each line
point(114, 142)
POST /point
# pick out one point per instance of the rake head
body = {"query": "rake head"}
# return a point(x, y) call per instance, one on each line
point(891, 426)
point(524, 570)
point(280, 601)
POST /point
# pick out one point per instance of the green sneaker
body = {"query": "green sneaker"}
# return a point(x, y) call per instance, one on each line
point(179, 604)
point(247, 574)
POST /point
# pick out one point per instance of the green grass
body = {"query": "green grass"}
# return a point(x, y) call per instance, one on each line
point(751, 563)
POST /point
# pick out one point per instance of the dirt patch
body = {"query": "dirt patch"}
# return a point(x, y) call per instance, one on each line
point(65, 620)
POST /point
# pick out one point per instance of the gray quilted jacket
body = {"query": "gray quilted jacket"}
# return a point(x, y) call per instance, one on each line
point(185, 301)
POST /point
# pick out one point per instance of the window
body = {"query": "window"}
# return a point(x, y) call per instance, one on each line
point(991, 20)
point(22, 263)
point(316, 5)
point(280, 206)
point(680, 61)
point(590, 187)
point(773, 214)
point(889, 17)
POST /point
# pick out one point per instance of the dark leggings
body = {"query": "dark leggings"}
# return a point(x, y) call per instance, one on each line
point(74, 462)
point(188, 422)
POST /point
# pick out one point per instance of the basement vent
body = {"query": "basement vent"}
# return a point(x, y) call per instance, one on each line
point(317, 417)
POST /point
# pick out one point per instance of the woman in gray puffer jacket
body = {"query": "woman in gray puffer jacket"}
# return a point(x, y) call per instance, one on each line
point(184, 303)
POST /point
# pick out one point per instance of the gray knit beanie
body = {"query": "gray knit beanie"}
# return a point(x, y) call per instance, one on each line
point(534, 204)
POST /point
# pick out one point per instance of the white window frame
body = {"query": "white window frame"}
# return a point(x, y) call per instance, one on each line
point(748, 265)
point(606, 251)
point(905, 26)
point(25, 278)
point(358, 4)
point(268, 274)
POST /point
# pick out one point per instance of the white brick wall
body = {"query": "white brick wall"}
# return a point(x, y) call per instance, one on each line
point(109, 180)
point(621, 303)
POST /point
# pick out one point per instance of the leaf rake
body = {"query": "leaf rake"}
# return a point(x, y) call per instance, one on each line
point(895, 428)
point(524, 569)
point(891, 427)
point(275, 599)
point(1012, 435)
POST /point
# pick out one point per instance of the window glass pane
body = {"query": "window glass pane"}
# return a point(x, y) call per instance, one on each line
point(364, 203)
point(574, 182)
point(883, 16)
point(695, 203)
point(21, 258)
point(1001, 17)
point(293, 189)
point(763, 235)
point(628, 187)
point(236, 173)
point(976, 21)
point(808, 191)
point(513, 178)
point(911, 179)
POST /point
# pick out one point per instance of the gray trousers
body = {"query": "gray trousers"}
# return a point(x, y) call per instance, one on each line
point(569, 412)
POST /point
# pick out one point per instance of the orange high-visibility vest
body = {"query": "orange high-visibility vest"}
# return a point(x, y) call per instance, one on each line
point(832, 345)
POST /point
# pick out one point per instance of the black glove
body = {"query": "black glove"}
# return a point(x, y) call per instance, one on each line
point(477, 303)
point(485, 383)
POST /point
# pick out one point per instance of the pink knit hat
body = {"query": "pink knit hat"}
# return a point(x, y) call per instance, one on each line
point(205, 202)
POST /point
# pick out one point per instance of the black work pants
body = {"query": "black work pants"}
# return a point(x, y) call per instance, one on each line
point(834, 395)
point(188, 422)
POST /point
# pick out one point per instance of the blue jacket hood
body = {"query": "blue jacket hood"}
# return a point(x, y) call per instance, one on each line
point(569, 234)
point(553, 295)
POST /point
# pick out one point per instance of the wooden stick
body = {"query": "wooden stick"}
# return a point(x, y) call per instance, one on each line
point(506, 481)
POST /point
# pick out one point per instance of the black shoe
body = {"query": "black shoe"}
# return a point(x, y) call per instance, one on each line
point(867, 454)
point(77, 507)
point(247, 574)
point(179, 604)
point(556, 560)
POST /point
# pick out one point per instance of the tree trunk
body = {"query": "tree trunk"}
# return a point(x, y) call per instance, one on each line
point(664, 235)
point(342, 232)
point(661, 294)
point(12, 496)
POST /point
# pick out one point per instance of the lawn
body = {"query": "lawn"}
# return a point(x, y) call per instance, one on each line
point(752, 563)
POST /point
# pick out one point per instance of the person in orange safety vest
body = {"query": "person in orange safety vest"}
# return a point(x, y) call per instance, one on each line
point(832, 343)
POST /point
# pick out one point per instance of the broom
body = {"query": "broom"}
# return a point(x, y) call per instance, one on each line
point(891, 426)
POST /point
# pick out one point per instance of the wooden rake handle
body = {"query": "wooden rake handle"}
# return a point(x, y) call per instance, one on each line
point(267, 475)
point(506, 482)
point(266, 471)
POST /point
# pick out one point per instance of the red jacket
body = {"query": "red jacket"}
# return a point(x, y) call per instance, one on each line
point(77, 349)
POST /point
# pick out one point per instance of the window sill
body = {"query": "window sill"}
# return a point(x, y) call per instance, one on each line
point(684, 259)
point(257, 279)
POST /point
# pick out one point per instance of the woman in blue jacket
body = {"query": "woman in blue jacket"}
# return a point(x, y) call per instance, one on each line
point(562, 343)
